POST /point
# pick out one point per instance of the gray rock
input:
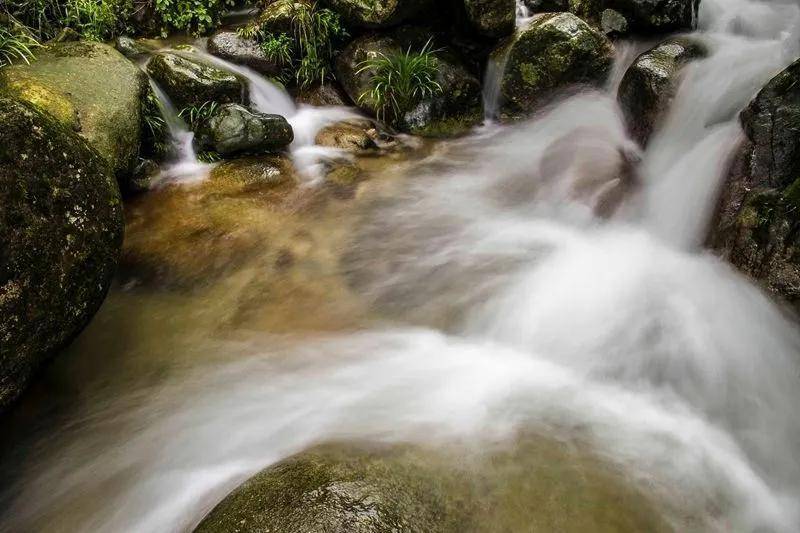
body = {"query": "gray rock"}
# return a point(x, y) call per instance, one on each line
point(235, 129)
point(492, 18)
point(130, 48)
point(230, 46)
point(60, 238)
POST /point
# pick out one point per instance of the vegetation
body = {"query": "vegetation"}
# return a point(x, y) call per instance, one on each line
point(16, 44)
point(192, 16)
point(195, 116)
point(98, 20)
point(400, 80)
point(308, 51)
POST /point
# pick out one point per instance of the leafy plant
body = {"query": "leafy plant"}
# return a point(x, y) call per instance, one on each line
point(195, 116)
point(399, 81)
point(95, 20)
point(155, 127)
point(278, 48)
point(209, 156)
point(41, 18)
point(16, 44)
point(193, 16)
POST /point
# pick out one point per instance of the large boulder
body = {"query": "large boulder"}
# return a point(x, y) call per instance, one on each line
point(232, 47)
point(758, 223)
point(91, 88)
point(458, 106)
point(190, 82)
point(649, 84)
point(378, 13)
point(361, 488)
point(60, 237)
point(235, 129)
point(640, 16)
point(492, 18)
point(553, 51)
point(278, 16)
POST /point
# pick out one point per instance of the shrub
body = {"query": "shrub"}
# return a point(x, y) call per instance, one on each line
point(16, 44)
point(193, 16)
point(400, 80)
point(98, 20)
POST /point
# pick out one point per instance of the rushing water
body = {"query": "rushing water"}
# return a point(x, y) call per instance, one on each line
point(514, 281)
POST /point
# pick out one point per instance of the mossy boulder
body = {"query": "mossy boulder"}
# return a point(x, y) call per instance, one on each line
point(538, 485)
point(649, 84)
point(552, 52)
point(378, 13)
point(492, 18)
point(277, 16)
point(190, 82)
point(236, 129)
point(232, 47)
point(452, 111)
point(350, 136)
point(60, 237)
point(758, 222)
point(92, 89)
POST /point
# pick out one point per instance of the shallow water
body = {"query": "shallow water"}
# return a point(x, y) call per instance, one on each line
point(465, 291)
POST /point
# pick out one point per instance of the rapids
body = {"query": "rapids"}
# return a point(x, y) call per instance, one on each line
point(496, 300)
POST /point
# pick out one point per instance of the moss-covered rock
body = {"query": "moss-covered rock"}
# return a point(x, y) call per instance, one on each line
point(230, 46)
point(235, 129)
point(90, 88)
point(458, 106)
point(649, 84)
point(277, 16)
point(553, 51)
point(350, 136)
point(328, 93)
point(758, 222)
point(60, 236)
point(537, 485)
point(190, 82)
point(492, 18)
point(378, 13)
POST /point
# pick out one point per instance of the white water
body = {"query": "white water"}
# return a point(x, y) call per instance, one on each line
point(513, 306)
point(306, 121)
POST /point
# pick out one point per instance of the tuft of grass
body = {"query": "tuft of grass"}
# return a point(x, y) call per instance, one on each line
point(278, 48)
point(195, 116)
point(400, 80)
point(95, 20)
point(16, 44)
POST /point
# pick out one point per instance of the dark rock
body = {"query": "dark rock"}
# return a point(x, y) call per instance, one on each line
point(649, 84)
point(90, 88)
point(328, 93)
point(277, 17)
point(758, 223)
point(378, 14)
point(552, 52)
point(60, 236)
point(191, 82)
point(492, 18)
point(130, 48)
point(235, 129)
point(230, 46)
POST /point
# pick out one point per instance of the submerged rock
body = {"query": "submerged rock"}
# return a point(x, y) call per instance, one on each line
point(649, 84)
point(349, 136)
point(492, 18)
point(229, 46)
point(538, 485)
point(191, 82)
point(90, 88)
point(235, 129)
point(758, 223)
point(60, 236)
point(552, 52)
point(457, 108)
point(378, 14)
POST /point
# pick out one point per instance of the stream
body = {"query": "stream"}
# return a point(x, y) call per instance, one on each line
point(469, 291)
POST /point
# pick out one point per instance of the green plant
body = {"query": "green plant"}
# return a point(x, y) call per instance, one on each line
point(95, 20)
point(16, 44)
point(399, 81)
point(195, 116)
point(278, 48)
point(41, 18)
point(155, 128)
point(209, 156)
point(193, 16)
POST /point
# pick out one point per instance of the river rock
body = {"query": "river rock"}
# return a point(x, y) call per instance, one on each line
point(277, 17)
point(328, 93)
point(190, 82)
point(348, 136)
point(90, 88)
point(552, 52)
point(758, 223)
point(492, 18)
point(60, 237)
point(130, 48)
point(378, 13)
point(649, 84)
point(361, 488)
point(229, 46)
point(456, 109)
point(235, 129)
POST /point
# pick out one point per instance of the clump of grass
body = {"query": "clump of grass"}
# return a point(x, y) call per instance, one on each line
point(195, 116)
point(95, 20)
point(155, 133)
point(399, 81)
point(16, 44)
point(42, 18)
point(307, 52)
